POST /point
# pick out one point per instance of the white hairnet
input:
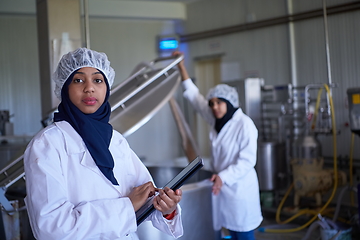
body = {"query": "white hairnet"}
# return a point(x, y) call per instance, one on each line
point(79, 58)
point(224, 91)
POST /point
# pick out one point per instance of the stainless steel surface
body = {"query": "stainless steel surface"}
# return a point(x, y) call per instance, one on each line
point(249, 91)
point(86, 23)
point(277, 112)
point(271, 166)
point(137, 99)
point(11, 170)
point(195, 204)
point(327, 127)
point(306, 147)
point(328, 64)
point(354, 109)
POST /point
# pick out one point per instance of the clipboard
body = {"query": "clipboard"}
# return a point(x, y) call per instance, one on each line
point(173, 184)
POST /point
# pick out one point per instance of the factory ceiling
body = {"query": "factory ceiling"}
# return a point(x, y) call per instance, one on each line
point(144, 9)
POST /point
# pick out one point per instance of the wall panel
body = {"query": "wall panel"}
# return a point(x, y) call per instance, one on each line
point(265, 51)
point(19, 73)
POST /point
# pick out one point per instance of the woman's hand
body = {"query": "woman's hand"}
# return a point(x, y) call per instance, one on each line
point(183, 72)
point(167, 200)
point(140, 194)
point(217, 184)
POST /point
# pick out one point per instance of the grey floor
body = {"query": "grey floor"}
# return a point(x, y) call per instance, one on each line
point(270, 222)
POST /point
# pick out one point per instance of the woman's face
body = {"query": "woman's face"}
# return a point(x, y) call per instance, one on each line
point(218, 107)
point(87, 90)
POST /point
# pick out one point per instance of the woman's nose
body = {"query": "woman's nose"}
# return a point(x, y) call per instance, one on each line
point(89, 87)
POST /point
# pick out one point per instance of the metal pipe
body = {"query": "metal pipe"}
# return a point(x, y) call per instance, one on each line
point(347, 7)
point(328, 64)
point(294, 80)
point(86, 23)
point(307, 101)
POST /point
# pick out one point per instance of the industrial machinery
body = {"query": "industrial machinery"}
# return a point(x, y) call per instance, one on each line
point(133, 102)
point(354, 109)
point(6, 127)
point(290, 121)
point(309, 177)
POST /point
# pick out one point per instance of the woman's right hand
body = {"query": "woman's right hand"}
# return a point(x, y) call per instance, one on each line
point(183, 72)
point(217, 184)
point(140, 194)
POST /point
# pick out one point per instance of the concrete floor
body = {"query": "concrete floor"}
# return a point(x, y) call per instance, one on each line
point(270, 222)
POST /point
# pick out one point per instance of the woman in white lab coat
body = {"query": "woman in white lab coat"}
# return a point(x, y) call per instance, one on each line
point(233, 137)
point(83, 181)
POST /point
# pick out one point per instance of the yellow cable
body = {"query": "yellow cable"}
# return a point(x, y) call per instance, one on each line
point(335, 177)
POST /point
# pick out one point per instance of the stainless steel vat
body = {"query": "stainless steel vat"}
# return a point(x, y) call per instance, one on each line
point(271, 166)
point(306, 147)
point(195, 204)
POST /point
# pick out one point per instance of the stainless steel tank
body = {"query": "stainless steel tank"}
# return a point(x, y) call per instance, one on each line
point(306, 147)
point(271, 166)
point(195, 204)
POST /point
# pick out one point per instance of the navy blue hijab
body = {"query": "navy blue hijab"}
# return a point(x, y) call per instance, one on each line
point(219, 123)
point(93, 128)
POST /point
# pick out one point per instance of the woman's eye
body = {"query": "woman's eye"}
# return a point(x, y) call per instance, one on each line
point(98, 80)
point(77, 80)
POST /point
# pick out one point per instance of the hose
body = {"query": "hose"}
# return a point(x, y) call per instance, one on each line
point(316, 107)
point(312, 228)
point(305, 211)
point(339, 200)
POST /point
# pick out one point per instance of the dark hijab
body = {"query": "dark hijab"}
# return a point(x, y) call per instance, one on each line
point(219, 123)
point(93, 128)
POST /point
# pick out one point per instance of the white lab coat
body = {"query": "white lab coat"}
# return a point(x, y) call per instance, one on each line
point(69, 198)
point(234, 149)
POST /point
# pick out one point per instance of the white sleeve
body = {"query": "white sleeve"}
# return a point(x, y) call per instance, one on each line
point(53, 216)
point(172, 227)
point(199, 103)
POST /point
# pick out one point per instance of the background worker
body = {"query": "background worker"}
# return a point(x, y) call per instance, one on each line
point(233, 137)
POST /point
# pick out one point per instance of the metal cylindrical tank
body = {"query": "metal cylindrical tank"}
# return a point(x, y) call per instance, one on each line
point(306, 147)
point(195, 204)
point(271, 165)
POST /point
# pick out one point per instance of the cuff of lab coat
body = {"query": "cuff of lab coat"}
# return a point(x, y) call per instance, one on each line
point(186, 84)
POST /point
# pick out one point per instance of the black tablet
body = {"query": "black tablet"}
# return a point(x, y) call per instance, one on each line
point(174, 184)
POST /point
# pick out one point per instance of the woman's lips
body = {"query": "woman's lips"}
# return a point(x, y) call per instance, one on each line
point(89, 101)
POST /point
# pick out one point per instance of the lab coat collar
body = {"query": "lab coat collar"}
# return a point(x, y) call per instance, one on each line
point(237, 115)
point(75, 145)
point(73, 141)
